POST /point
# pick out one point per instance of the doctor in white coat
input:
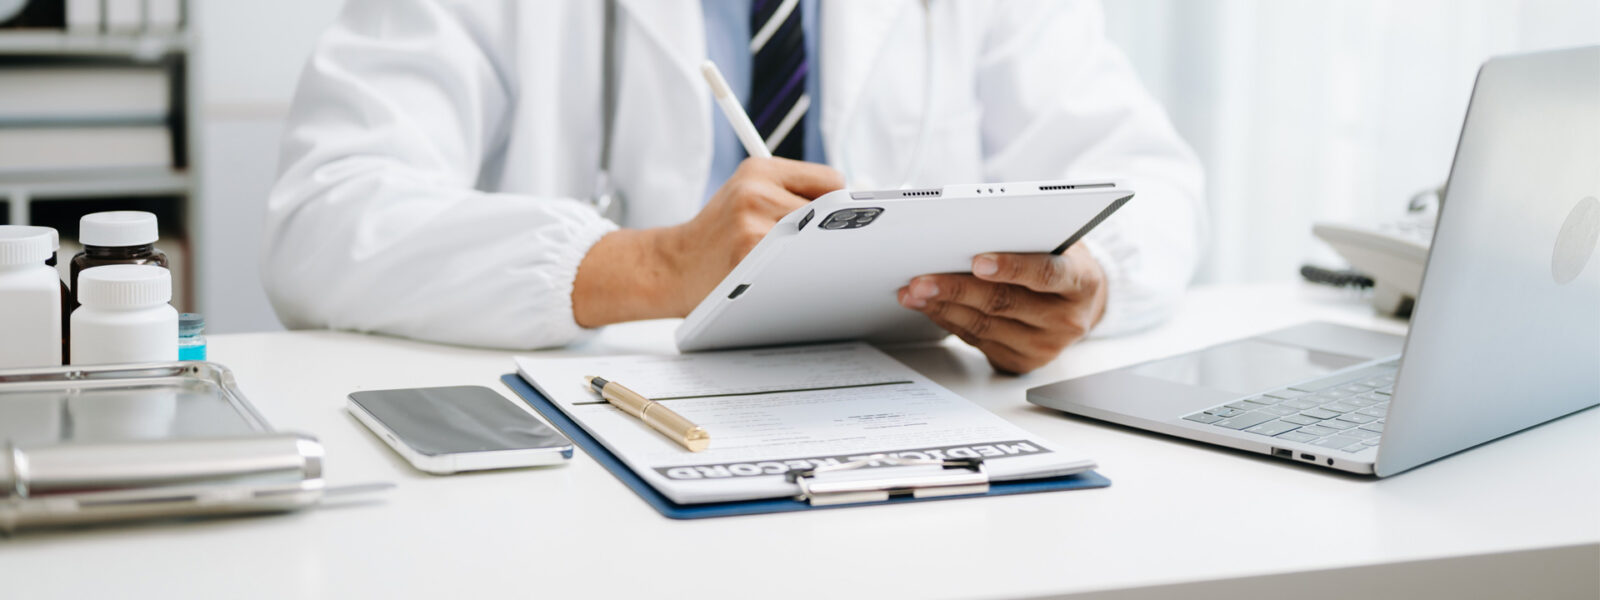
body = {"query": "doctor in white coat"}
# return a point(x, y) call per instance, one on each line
point(439, 168)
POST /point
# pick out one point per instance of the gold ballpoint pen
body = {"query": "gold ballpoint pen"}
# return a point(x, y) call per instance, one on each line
point(661, 418)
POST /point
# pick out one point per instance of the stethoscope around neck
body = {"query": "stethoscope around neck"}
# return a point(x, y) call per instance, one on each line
point(608, 200)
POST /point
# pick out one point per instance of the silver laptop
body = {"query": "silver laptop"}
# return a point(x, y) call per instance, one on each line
point(1505, 333)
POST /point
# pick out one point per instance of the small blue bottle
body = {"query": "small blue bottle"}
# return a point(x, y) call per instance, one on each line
point(191, 344)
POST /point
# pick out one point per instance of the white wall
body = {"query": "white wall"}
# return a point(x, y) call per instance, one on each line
point(250, 55)
point(1307, 110)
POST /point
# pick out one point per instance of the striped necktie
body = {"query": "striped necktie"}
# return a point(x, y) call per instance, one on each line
point(778, 99)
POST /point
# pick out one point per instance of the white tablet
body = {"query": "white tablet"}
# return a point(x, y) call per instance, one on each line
point(831, 270)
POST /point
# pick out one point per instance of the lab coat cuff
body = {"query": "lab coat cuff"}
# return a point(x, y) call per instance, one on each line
point(565, 261)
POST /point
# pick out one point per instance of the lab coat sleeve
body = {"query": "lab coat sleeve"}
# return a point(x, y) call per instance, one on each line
point(375, 223)
point(1061, 101)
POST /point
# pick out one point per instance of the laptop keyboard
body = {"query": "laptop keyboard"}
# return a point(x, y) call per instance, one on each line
point(1343, 411)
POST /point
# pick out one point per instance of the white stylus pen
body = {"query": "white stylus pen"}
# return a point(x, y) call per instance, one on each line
point(753, 144)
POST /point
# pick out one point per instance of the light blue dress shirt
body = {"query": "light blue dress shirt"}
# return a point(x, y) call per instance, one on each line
point(727, 24)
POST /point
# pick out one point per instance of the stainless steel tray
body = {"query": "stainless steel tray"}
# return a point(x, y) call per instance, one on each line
point(119, 403)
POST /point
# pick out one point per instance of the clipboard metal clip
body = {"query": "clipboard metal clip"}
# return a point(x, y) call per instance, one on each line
point(835, 484)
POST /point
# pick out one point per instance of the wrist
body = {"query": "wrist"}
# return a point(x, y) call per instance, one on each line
point(673, 252)
point(1102, 292)
point(1106, 274)
point(627, 276)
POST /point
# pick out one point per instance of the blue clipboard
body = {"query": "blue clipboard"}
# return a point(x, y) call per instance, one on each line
point(673, 510)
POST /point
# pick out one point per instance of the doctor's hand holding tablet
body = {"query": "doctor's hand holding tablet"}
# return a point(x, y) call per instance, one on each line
point(1021, 310)
point(391, 175)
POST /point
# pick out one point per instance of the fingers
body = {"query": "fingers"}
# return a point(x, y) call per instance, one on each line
point(979, 323)
point(779, 202)
point(1052, 321)
point(1013, 345)
point(1001, 357)
point(998, 299)
point(763, 198)
point(1048, 273)
point(961, 321)
point(1022, 324)
point(806, 179)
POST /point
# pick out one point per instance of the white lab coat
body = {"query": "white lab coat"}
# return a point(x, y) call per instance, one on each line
point(440, 154)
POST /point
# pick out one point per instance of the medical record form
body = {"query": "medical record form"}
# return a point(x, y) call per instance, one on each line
point(776, 409)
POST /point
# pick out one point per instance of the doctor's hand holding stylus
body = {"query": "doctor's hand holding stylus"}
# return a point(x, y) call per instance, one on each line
point(666, 271)
point(633, 274)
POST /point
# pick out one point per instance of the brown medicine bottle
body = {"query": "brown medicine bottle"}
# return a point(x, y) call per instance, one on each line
point(119, 237)
point(66, 297)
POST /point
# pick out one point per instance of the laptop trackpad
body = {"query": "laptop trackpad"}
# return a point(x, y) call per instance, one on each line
point(1245, 367)
point(1169, 388)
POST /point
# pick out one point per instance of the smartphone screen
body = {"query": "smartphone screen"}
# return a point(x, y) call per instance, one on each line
point(452, 420)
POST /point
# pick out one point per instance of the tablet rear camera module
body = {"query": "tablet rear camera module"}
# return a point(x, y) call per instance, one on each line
point(851, 218)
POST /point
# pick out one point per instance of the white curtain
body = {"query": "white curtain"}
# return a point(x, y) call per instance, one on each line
point(1312, 110)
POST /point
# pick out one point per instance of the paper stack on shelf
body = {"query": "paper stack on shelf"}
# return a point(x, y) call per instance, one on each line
point(124, 16)
point(83, 16)
point(162, 16)
point(53, 149)
point(35, 95)
point(71, 118)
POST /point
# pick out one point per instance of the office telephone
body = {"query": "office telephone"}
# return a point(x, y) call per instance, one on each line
point(1392, 254)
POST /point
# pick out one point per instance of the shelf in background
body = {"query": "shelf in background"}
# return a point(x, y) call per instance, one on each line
point(97, 185)
point(147, 46)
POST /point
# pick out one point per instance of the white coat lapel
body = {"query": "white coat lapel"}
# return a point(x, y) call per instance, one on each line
point(854, 34)
point(662, 144)
point(675, 26)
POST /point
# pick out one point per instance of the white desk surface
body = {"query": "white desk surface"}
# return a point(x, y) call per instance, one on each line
point(1177, 513)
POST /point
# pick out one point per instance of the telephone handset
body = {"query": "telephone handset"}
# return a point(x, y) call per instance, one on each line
point(1391, 253)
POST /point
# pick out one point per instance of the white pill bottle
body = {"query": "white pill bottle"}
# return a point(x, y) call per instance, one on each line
point(125, 316)
point(30, 298)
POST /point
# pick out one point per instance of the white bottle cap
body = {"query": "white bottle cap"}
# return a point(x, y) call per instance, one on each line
point(26, 245)
point(118, 228)
point(124, 286)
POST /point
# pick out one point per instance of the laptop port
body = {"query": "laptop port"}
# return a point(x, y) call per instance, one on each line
point(1304, 456)
point(1283, 452)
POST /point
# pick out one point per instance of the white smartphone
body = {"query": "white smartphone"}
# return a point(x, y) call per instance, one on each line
point(447, 430)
